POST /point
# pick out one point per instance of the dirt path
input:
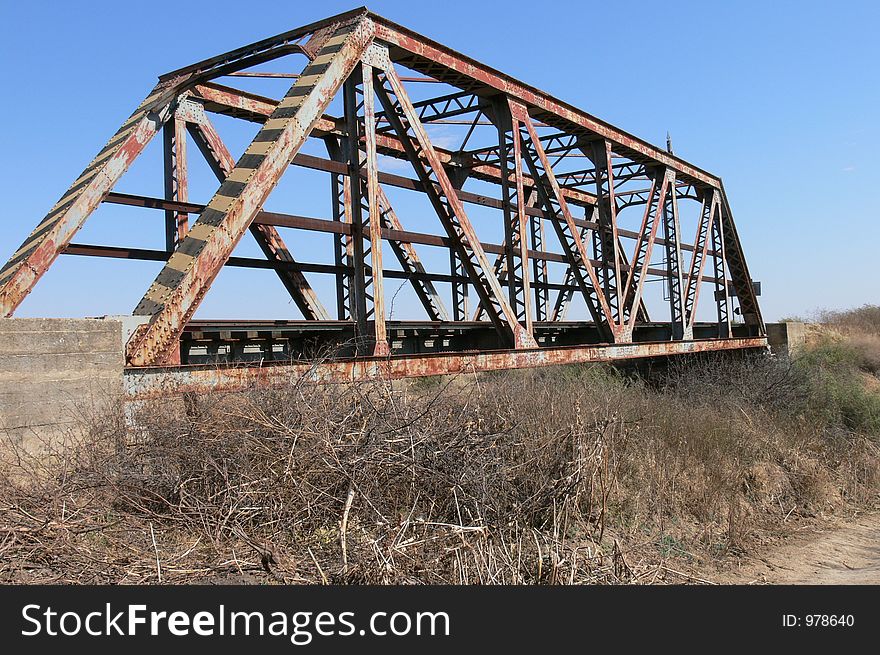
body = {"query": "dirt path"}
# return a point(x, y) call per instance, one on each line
point(847, 553)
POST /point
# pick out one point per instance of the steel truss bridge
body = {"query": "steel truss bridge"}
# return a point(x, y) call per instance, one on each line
point(560, 181)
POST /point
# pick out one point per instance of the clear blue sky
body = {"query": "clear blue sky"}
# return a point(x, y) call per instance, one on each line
point(780, 99)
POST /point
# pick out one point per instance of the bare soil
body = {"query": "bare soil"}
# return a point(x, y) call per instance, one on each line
point(845, 551)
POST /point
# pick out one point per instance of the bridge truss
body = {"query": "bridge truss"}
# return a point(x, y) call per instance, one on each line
point(584, 216)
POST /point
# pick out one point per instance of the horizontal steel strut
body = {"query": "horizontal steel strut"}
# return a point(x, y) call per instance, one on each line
point(565, 184)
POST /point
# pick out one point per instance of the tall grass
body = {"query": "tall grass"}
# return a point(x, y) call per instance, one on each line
point(561, 475)
point(844, 364)
point(863, 320)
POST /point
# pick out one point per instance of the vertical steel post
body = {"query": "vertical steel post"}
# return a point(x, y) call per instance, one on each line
point(672, 234)
point(635, 281)
point(513, 206)
point(605, 239)
point(708, 211)
point(339, 193)
point(722, 293)
point(539, 266)
point(176, 222)
point(354, 208)
point(459, 287)
point(380, 347)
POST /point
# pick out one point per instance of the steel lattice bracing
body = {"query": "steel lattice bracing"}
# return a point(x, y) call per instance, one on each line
point(585, 216)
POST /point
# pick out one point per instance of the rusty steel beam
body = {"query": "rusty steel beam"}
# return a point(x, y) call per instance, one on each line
point(147, 383)
point(389, 233)
point(539, 267)
point(354, 209)
point(635, 281)
point(220, 99)
point(722, 291)
point(739, 270)
point(240, 104)
point(606, 239)
point(448, 206)
point(176, 221)
point(559, 215)
point(319, 225)
point(513, 199)
point(435, 109)
point(316, 41)
point(671, 231)
point(430, 58)
point(174, 296)
point(145, 254)
point(708, 211)
point(271, 48)
point(294, 76)
point(28, 264)
point(317, 163)
point(365, 212)
point(267, 237)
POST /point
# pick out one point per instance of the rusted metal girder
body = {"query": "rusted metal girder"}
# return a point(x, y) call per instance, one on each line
point(722, 294)
point(605, 239)
point(237, 103)
point(176, 222)
point(385, 178)
point(449, 208)
point(180, 287)
point(556, 208)
point(671, 231)
point(145, 254)
point(635, 281)
point(27, 264)
point(362, 208)
point(535, 161)
point(391, 234)
point(736, 261)
point(221, 163)
point(513, 198)
point(708, 215)
point(147, 383)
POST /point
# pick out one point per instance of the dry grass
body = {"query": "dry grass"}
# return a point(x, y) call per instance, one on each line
point(862, 320)
point(860, 331)
point(553, 476)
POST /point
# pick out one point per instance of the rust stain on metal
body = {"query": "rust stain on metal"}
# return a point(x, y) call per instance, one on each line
point(149, 383)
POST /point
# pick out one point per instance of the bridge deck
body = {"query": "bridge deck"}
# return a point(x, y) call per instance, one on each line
point(223, 341)
point(147, 383)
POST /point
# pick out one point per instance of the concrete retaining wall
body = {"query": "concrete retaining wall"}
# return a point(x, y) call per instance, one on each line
point(51, 369)
point(786, 338)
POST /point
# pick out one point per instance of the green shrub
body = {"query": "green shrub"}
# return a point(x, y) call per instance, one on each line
point(838, 392)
